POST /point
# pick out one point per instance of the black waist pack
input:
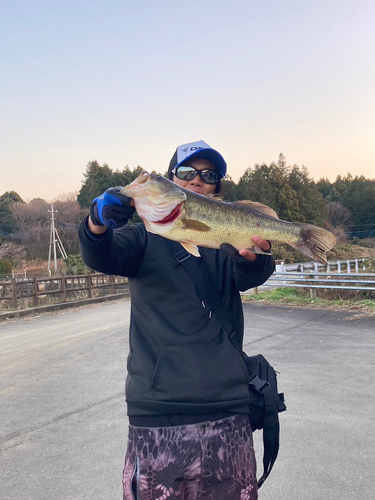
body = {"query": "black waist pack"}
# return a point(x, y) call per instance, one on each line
point(265, 405)
point(265, 401)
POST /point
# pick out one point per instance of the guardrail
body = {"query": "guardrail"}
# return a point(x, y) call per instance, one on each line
point(332, 265)
point(307, 275)
point(61, 288)
point(313, 280)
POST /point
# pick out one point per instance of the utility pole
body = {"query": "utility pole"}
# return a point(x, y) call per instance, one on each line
point(54, 239)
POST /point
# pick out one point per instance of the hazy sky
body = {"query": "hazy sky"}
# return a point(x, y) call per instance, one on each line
point(126, 82)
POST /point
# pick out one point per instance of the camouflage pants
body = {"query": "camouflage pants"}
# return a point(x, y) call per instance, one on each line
point(206, 461)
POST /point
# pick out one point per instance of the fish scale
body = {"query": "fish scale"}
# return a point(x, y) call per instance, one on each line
point(231, 224)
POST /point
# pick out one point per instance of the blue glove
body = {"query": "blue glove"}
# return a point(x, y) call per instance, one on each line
point(111, 209)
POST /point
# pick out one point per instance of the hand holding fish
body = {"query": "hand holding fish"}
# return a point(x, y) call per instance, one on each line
point(110, 209)
point(244, 252)
point(259, 242)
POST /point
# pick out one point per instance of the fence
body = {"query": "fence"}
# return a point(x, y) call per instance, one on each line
point(16, 293)
point(343, 281)
point(309, 276)
point(338, 265)
point(8, 276)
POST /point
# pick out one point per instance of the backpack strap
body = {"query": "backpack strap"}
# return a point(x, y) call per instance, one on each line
point(271, 426)
point(271, 433)
point(205, 286)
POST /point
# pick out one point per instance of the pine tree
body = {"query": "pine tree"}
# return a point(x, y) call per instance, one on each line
point(311, 202)
point(97, 179)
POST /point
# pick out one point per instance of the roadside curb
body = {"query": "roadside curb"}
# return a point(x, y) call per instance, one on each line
point(4, 316)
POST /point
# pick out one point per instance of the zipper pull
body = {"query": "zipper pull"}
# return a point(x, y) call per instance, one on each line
point(210, 313)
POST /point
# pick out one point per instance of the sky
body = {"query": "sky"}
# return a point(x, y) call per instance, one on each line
point(126, 82)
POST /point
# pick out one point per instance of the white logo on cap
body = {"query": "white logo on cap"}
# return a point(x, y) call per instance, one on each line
point(188, 149)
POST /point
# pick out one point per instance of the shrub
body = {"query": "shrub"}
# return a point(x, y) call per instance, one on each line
point(5, 267)
point(75, 265)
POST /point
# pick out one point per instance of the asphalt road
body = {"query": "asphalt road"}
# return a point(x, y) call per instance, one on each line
point(63, 418)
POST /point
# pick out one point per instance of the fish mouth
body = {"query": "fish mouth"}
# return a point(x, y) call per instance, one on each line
point(172, 217)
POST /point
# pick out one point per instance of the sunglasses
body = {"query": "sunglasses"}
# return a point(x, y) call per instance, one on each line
point(186, 173)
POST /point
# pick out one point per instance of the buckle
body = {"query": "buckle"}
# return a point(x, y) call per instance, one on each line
point(258, 383)
point(182, 256)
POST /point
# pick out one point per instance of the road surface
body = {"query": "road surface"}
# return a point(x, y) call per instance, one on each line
point(63, 419)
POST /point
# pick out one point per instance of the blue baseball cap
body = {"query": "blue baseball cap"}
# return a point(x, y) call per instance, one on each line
point(197, 149)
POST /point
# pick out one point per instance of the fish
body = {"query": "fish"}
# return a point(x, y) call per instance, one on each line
point(195, 220)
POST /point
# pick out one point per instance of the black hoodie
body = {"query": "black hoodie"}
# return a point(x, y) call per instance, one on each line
point(181, 360)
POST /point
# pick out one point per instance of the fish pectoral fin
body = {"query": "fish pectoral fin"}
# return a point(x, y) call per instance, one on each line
point(264, 209)
point(193, 249)
point(196, 225)
point(258, 250)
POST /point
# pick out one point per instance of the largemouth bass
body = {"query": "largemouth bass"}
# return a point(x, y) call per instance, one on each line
point(195, 220)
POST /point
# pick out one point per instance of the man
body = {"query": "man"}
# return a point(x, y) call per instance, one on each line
point(187, 386)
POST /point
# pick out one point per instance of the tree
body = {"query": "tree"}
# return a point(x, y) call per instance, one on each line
point(125, 176)
point(324, 187)
point(338, 215)
point(228, 189)
point(269, 184)
point(97, 179)
point(75, 265)
point(311, 202)
point(361, 201)
point(5, 268)
point(356, 195)
point(342, 188)
point(11, 196)
point(7, 222)
point(68, 217)
point(34, 222)
point(12, 252)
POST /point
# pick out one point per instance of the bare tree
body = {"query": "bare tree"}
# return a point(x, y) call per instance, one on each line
point(32, 220)
point(338, 215)
point(69, 215)
point(34, 224)
point(13, 252)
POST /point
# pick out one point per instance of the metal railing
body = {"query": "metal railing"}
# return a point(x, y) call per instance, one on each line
point(308, 275)
point(316, 276)
point(332, 265)
point(342, 281)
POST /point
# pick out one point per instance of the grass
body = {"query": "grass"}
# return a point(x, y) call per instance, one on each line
point(291, 296)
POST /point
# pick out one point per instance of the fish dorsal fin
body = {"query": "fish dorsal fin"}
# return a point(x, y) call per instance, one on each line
point(196, 225)
point(193, 249)
point(264, 209)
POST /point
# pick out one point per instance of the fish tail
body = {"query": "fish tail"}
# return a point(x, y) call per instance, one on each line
point(314, 242)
